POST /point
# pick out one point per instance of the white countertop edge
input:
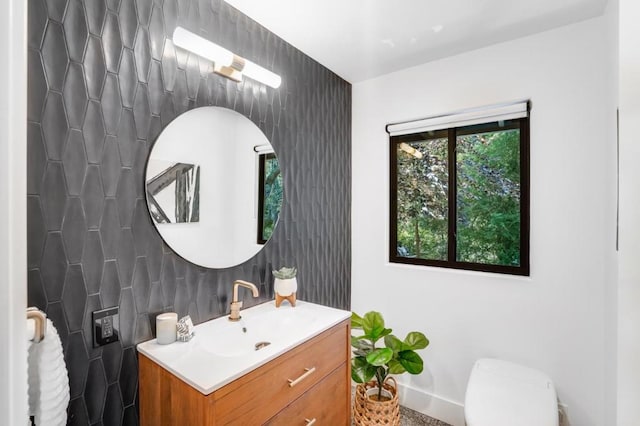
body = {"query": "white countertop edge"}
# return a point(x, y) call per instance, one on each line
point(143, 348)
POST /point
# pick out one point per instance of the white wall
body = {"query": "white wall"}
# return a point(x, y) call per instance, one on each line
point(13, 210)
point(554, 320)
point(611, 297)
point(629, 260)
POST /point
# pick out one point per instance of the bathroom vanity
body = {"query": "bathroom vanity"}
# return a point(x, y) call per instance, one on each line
point(277, 366)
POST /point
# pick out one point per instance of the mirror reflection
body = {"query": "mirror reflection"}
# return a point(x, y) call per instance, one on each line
point(214, 187)
point(173, 193)
point(270, 195)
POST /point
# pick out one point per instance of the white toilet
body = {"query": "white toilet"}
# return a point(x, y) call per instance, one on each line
point(501, 393)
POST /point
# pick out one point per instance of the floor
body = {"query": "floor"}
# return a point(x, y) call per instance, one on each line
point(409, 417)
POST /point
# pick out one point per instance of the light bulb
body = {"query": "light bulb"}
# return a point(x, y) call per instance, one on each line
point(263, 75)
point(202, 47)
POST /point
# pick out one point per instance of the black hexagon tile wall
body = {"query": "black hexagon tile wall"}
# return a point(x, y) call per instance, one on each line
point(104, 79)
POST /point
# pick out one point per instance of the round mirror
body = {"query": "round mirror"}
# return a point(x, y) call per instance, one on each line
point(214, 187)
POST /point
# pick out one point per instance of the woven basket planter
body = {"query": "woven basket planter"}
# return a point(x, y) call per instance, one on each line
point(367, 412)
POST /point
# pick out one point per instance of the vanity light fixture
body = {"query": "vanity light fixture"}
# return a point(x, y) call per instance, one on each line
point(226, 63)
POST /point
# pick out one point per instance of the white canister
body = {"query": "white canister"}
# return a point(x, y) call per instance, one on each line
point(166, 329)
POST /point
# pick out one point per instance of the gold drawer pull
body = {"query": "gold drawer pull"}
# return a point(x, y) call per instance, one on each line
point(310, 422)
point(307, 373)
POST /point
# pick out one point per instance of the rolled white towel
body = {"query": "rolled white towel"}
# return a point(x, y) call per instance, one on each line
point(48, 380)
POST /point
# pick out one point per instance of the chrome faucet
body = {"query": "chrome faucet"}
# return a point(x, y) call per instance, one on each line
point(235, 304)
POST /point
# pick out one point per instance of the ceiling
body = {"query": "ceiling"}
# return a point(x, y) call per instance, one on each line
point(362, 39)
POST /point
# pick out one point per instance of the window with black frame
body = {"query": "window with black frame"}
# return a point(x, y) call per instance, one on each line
point(460, 194)
point(269, 195)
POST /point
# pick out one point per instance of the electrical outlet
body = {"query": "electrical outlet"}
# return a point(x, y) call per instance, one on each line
point(106, 326)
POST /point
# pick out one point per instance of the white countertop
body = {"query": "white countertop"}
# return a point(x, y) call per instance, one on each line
point(221, 350)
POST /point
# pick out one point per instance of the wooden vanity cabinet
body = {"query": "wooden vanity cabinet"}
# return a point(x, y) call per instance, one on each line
point(320, 405)
point(309, 384)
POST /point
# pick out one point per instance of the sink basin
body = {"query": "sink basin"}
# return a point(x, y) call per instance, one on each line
point(222, 350)
point(231, 340)
point(255, 328)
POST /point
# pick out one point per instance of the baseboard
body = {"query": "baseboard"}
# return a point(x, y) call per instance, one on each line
point(432, 405)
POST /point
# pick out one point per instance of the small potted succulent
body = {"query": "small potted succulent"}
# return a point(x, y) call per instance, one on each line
point(372, 367)
point(285, 285)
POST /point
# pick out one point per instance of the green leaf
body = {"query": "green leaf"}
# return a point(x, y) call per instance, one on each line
point(416, 340)
point(411, 361)
point(395, 367)
point(373, 325)
point(356, 321)
point(361, 370)
point(385, 332)
point(360, 343)
point(379, 356)
point(393, 343)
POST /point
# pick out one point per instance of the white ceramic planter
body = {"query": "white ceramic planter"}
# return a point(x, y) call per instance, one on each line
point(285, 287)
point(374, 391)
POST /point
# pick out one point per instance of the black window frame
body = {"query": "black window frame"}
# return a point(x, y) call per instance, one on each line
point(262, 159)
point(452, 133)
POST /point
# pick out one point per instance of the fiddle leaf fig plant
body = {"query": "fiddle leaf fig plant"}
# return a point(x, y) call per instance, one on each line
point(396, 357)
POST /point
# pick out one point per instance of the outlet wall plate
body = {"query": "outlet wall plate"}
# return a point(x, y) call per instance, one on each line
point(106, 326)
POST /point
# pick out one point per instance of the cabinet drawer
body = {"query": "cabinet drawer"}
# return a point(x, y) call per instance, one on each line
point(327, 403)
point(259, 395)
